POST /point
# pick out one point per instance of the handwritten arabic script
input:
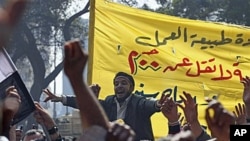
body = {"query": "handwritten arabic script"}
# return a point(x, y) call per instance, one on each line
point(136, 61)
point(185, 36)
point(173, 92)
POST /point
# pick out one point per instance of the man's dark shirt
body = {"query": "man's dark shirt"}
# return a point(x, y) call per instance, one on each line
point(138, 113)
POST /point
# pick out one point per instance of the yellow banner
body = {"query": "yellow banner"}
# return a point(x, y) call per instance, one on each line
point(166, 53)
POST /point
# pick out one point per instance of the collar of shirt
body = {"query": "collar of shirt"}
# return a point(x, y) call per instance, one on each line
point(121, 108)
point(123, 103)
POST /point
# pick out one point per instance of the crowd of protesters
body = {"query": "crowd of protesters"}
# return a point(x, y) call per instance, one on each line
point(101, 119)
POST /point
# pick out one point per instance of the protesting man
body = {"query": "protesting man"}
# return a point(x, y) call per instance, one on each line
point(124, 106)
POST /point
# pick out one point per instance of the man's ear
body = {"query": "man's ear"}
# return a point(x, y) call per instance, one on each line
point(132, 88)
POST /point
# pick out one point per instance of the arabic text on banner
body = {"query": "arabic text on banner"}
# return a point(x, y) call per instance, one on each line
point(166, 53)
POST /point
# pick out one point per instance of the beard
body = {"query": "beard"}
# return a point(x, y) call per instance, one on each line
point(122, 99)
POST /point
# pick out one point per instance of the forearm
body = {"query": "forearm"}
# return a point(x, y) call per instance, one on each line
point(69, 101)
point(196, 128)
point(90, 110)
point(173, 125)
point(6, 122)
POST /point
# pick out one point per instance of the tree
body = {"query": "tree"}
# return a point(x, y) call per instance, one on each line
point(229, 11)
point(45, 26)
point(192, 9)
point(236, 12)
point(128, 2)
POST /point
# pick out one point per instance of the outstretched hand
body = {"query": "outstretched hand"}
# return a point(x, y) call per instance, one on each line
point(163, 98)
point(190, 108)
point(169, 110)
point(11, 105)
point(246, 92)
point(42, 116)
point(219, 123)
point(240, 114)
point(95, 89)
point(51, 96)
point(12, 100)
point(75, 61)
point(246, 95)
point(120, 132)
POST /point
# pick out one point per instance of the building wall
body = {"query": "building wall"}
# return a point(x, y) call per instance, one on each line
point(70, 125)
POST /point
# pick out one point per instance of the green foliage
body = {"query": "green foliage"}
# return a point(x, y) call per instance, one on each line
point(230, 11)
point(237, 12)
point(193, 9)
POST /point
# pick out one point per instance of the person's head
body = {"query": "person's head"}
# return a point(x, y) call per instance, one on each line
point(19, 134)
point(123, 85)
point(34, 135)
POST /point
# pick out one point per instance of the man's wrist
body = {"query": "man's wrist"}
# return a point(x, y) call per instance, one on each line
point(53, 130)
point(174, 123)
point(172, 120)
point(64, 99)
point(54, 134)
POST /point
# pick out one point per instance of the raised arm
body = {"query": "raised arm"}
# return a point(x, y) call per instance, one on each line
point(43, 118)
point(218, 120)
point(246, 96)
point(11, 105)
point(190, 110)
point(74, 63)
point(52, 97)
point(240, 114)
point(170, 111)
point(69, 100)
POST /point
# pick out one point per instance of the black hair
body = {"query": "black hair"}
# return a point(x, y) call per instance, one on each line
point(130, 78)
point(33, 132)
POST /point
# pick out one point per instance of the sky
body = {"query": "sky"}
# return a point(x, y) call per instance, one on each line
point(151, 3)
